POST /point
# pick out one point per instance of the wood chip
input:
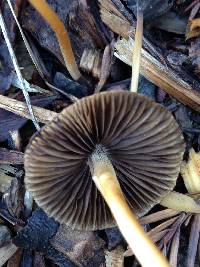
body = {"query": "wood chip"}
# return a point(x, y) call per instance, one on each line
point(84, 248)
point(154, 70)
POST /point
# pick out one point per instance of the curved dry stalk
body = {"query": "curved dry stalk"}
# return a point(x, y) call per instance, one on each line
point(63, 38)
point(180, 202)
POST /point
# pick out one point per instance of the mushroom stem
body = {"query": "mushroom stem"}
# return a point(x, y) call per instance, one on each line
point(137, 52)
point(63, 38)
point(104, 176)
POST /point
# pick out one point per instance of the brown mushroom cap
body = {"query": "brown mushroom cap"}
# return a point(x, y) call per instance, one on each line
point(142, 140)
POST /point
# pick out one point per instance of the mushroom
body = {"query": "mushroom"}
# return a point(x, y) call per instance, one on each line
point(107, 141)
point(122, 143)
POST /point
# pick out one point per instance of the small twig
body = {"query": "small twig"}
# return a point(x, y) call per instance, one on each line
point(18, 72)
point(20, 108)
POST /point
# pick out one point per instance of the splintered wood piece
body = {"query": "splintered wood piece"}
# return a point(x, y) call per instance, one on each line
point(91, 62)
point(6, 253)
point(115, 257)
point(155, 71)
point(20, 108)
point(160, 75)
point(81, 247)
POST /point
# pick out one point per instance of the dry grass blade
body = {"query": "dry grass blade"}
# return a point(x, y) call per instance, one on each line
point(25, 41)
point(193, 241)
point(158, 216)
point(174, 249)
point(18, 72)
point(162, 226)
point(155, 237)
point(137, 52)
point(20, 108)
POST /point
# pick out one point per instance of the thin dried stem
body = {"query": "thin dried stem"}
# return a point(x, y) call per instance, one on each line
point(162, 226)
point(17, 69)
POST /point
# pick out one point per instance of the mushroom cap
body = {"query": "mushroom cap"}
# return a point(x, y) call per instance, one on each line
point(143, 142)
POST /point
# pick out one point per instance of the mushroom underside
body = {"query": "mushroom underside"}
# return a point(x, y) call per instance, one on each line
point(141, 139)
